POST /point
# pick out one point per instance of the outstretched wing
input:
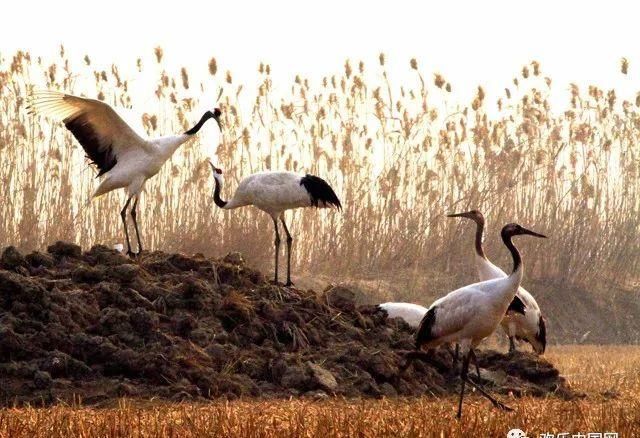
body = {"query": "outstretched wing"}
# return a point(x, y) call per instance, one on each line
point(103, 134)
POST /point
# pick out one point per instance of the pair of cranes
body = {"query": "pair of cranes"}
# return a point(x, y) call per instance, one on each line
point(523, 319)
point(468, 315)
point(126, 161)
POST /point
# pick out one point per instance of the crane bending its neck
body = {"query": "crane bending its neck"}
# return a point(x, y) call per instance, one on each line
point(168, 145)
point(217, 176)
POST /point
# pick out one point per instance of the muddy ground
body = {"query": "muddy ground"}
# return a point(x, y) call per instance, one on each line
point(96, 325)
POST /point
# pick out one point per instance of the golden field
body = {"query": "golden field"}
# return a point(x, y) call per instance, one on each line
point(608, 375)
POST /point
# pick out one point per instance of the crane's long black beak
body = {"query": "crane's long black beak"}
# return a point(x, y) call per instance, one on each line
point(533, 233)
point(465, 214)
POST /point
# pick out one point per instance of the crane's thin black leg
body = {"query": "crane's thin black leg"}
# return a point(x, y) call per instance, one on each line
point(463, 376)
point(512, 345)
point(134, 215)
point(289, 242)
point(482, 391)
point(276, 243)
point(123, 215)
point(475, 361)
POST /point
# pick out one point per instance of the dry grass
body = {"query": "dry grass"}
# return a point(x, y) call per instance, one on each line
point(610, 370)
point(399, 155)
point(608, 375)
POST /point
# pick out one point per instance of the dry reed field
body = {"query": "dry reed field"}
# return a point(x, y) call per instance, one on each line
point(399, 155)
point(606, 374)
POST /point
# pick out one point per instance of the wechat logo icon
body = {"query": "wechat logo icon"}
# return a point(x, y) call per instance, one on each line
point(516, 433)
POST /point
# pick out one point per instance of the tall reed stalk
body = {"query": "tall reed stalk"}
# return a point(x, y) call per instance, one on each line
point(399, 155)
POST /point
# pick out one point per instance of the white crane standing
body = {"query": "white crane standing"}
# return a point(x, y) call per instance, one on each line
point(275, 192)
point(124, 159)
point(523, 319)
point(471, 313)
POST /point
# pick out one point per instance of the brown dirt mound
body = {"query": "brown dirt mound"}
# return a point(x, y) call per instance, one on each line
point(97, 325)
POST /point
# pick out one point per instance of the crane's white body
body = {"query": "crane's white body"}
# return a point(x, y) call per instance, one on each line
point(471, 313)
point(411, 313)
point(275, 192)
point(136, 165)
point(271, 191)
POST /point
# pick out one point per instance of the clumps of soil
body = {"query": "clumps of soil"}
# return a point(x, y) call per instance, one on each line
point(96, 325)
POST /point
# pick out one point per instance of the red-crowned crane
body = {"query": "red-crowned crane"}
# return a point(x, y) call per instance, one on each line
point(528, 325)
point(471, 313)
point(275, 192)
point(124, 159)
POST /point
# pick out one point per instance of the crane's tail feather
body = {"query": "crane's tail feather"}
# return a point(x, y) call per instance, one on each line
point(541, 336)
point(320, 192)
point(425, 330)
point(516, 306)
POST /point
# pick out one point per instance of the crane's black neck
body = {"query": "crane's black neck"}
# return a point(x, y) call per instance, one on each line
point(206, 116)
point(216, 194)
point(517, 260)
point(479, 233)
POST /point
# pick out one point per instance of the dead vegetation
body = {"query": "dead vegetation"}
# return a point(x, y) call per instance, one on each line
point(591, 369)
point(96, 326)
point(399, 155)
